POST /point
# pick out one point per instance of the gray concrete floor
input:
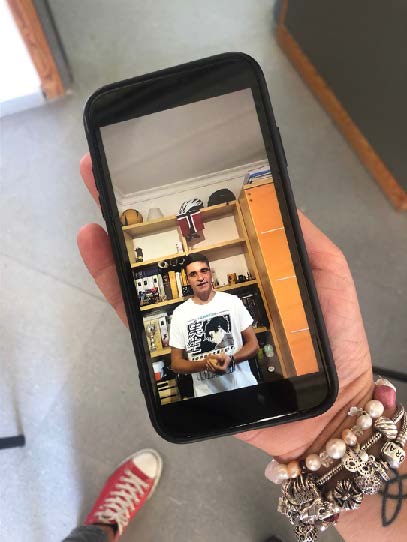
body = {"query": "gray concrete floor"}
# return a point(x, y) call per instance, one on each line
point(68, 372)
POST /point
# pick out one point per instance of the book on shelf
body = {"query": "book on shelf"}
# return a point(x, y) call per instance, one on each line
point(173, 285)
point(253, 303)
point(258, 173)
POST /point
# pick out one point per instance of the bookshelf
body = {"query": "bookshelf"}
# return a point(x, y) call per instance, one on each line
point(182, 299)
point(224, 241)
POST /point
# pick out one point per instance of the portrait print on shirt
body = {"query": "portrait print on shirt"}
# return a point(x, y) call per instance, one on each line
point(210, 334)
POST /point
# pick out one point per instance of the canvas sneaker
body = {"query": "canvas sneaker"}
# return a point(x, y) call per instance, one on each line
point(126, 491)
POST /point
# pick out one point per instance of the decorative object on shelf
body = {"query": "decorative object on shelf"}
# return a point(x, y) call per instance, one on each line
point(232, 278)
point(154, 214)
point(158, 368)
point(148, 285)
point(139, 254)
point(189, 219)
point(151, 329)
point(215, 280)
point(178, 247)
point(241, 278)
point(224, 195)
point(250, 276)
point(164, 330)
point(129, 217)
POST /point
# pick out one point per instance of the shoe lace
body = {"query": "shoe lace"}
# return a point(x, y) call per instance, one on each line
point(122, 500)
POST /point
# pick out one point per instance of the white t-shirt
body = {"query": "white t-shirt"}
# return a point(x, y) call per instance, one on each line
point(213, 328)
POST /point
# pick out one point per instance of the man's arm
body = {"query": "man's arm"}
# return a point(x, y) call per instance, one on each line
point(220, 362)
point(250, 346)
point(181, 365)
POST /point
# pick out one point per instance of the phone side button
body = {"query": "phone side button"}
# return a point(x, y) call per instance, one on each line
point(282, 146)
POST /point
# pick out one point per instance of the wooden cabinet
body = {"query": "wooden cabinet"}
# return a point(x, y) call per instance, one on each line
point(266, 232)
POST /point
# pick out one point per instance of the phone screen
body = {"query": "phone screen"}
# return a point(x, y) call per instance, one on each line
point(197, 200)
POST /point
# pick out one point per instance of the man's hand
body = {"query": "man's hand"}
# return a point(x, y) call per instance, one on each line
point(340, 308)
point(220, 362)
point(211, 363)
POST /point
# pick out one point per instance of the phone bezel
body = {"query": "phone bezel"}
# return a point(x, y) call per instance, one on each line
point(214, 415)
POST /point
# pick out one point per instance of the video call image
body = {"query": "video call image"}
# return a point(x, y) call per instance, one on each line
point(214, 276)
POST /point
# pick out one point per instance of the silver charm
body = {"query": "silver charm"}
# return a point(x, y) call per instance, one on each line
point(326, 461)
point(386, 427)
point(296, 496)
point(346, 495)
point(355, 411)
point(354, 460)
point(402, 435)
point(393, 454)
point(369, 484)
point(369, 479)
point(306, 533)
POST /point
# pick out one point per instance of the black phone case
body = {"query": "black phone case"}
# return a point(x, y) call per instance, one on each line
point(134, 317)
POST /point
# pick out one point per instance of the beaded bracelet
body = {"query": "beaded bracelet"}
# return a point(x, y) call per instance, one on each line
point(336, 448)
point(310, 506)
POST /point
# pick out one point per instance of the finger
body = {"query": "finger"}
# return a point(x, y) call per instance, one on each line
point(96, 252)
point(85, 168)
point(322, 252)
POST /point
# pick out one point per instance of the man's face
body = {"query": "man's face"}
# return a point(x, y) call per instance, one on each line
point(199, 277)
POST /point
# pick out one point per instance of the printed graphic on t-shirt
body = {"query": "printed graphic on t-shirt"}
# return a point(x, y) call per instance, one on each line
point(209, 334)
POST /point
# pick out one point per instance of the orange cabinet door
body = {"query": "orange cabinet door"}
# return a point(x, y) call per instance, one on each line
point(270, 231)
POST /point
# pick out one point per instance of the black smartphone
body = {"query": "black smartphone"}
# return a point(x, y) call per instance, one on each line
point(223, 314)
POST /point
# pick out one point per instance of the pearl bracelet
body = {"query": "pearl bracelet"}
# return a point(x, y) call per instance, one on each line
point(336, 448)
point(310, 503)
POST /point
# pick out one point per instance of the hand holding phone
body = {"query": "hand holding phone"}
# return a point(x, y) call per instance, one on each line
point(340, 309)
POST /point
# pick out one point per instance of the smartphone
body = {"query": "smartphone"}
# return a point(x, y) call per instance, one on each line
point(194, 189)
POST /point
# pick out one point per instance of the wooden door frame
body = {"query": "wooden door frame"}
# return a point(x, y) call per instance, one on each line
point(28, 22)
point(327, 98)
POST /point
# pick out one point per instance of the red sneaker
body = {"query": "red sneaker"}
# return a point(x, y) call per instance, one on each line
point(126, 491)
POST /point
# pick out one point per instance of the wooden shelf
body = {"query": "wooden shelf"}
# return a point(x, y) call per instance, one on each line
point(224, 244)
point(217, 211)
point(166, 351)
point(164, 303)
point(158, 353)
point(207, 248)
point(153, 226)
point(235, 286)
point(181, 299)
point(155, 260)
point(144, 228)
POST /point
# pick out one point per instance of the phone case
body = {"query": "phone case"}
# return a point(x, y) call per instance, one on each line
point(119, 248)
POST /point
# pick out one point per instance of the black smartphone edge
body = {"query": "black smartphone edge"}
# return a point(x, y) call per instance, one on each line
point(332, 380)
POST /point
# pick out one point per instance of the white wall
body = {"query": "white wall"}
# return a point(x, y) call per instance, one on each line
point(169, 197)
point(183, 142)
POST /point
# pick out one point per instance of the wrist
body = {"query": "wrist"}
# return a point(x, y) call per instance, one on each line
point(316, 432)
point(370, 448)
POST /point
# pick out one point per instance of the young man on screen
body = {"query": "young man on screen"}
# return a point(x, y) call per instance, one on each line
point(211, 335)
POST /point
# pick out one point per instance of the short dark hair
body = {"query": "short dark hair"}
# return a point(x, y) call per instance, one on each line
point(195, 257)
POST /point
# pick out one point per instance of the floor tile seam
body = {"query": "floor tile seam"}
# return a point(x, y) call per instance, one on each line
point(56, 278)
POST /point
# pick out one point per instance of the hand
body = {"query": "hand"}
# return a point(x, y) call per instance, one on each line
point(211, 363)
point(340, 308)
point(222, 362)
